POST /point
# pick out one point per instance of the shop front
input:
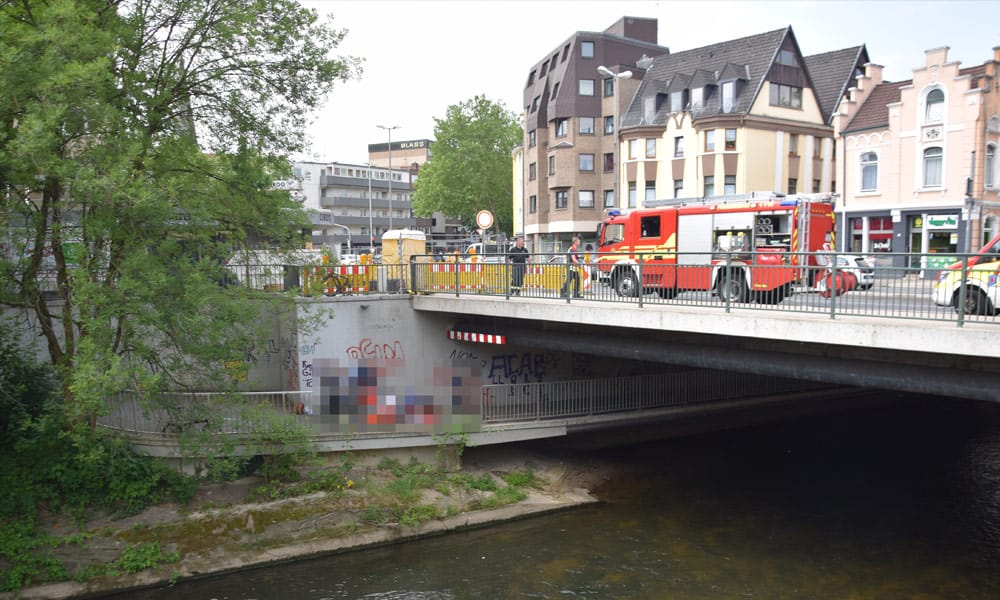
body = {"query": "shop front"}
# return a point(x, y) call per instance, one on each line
point(918, 239)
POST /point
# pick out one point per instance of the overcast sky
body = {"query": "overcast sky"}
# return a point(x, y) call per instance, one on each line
point(422, 56)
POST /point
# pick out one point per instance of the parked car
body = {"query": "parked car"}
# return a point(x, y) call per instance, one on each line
point(861, 267)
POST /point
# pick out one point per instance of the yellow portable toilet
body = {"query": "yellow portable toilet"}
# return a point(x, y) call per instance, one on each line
point(398, 245)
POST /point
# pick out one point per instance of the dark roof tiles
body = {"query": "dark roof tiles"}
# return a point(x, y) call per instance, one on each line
point(874, 113)
point(831, 74)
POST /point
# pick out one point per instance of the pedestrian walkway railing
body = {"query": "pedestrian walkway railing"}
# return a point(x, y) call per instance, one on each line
point(173, 413)
point(506, 403)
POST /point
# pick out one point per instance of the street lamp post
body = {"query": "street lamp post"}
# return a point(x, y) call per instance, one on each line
point(389, 129)
point(371, 225)
point(615, 77)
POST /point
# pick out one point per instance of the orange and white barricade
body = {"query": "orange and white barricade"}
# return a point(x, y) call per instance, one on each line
point(356, 276)
point(446, 276)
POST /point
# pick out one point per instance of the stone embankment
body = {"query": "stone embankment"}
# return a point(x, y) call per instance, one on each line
point(222, 531)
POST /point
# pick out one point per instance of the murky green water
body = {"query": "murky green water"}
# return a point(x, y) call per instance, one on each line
point(902, 502)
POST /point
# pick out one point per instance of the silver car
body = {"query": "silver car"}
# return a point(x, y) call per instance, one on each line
point(860, 267)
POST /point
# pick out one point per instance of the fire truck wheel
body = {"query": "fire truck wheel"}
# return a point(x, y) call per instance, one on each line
point(976, 302)
point(667, 293)
point(774, 296)
point(626, 284)
point(733, 289)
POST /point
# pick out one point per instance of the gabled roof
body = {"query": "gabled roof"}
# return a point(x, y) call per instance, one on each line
point(874, 113)
point(832, 74)
point(744, 58)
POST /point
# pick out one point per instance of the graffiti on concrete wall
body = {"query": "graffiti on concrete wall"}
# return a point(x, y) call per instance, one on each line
point(526, 367)
point(368, 349)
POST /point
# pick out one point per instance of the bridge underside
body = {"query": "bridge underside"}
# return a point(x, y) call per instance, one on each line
point(887, 362)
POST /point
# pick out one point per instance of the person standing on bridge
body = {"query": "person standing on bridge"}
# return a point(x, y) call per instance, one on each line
point(518, 257)
point(573, 269)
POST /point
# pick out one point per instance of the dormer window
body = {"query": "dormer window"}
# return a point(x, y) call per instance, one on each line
point(650, 105)
point(697, 97)
point(587, 49)
point(934, 112)
point(728, 96)
point(677, 101)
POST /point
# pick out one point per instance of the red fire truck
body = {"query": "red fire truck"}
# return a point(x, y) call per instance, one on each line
point(743, 248)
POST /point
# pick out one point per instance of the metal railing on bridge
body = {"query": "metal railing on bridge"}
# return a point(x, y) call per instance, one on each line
point(507, 403)
point(905, 286)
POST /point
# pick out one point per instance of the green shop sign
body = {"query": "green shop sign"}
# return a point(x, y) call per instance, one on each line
point(942, 221)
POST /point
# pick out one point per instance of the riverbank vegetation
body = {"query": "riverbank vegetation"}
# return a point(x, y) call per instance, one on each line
point(76, 503)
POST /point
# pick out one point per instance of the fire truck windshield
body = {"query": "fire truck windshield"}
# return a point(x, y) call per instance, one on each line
point(613, 233)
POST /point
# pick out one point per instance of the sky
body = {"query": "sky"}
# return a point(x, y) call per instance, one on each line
point(422, 56)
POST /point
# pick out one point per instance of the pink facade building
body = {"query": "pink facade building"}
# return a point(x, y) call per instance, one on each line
point(917, 160)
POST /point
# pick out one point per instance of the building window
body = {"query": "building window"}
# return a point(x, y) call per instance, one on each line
point(932, 166)
point(934, 112)
point(552, 164)
point(679, 146)
point(650, 191)
point(989, 229)
point(609, 162)
point(609, 125)
point(787, 96)
point(587, 162)
point(631, 194)
point(991, 166)
point(609, 87)
point(793, 144)
point(587, 49)
point(676, 101)
point(787, 57)
point(562, 127)
point(869, 172)
point(633, 149)
point(793, 185)
point(586, 125)
point(728, 96)
point(817, 147)
point(534, 103)
point(697, 97)
point(729, 185)
point(678, 188)
point(709, 185)
point(586, 199)
point(544, 69)
point(730, 140)
point(586, 87)
point(532, 172)
point(609, 198)
point(650, 147)
point(531, 139)
point(555, 90)
point(710, 140)
point(562, 199)
point(532, 204)
point(816, 186)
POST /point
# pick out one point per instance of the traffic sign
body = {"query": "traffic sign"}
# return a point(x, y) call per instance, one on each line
point(484, 219)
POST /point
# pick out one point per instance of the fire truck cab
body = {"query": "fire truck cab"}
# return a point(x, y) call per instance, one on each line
point(742, 248)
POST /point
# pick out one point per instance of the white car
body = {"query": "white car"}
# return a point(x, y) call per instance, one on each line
point(860, 267)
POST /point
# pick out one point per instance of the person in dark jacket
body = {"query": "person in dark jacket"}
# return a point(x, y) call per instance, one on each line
point(518, 257)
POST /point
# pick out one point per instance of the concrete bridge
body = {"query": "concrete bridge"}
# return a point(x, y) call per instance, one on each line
point(543, 367)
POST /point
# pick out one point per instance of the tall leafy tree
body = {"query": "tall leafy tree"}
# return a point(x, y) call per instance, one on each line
point(471, 166)
point(138, 140)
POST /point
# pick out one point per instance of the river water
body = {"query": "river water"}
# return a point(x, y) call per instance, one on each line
point(898, 502)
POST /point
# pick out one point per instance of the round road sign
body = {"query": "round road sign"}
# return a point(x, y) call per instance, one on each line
point(484, 219)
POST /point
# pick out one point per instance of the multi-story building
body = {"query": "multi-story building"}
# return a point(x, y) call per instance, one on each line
point(569, 129)
point(412, 154)
point(746, 115)
point(919, 159)
point(356, 199)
